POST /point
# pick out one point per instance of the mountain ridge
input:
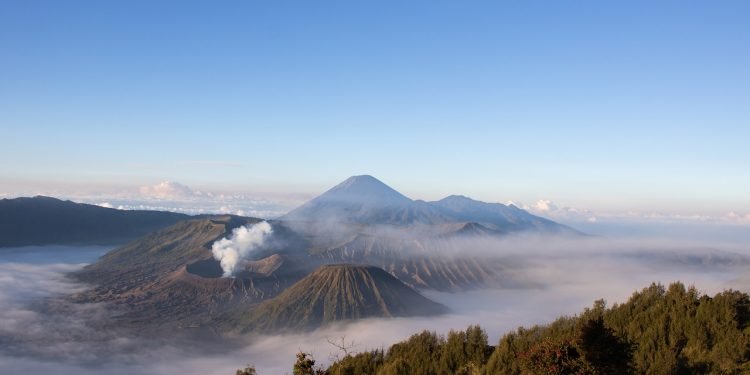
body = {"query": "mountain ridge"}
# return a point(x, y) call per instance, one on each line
point(365, 200)
point(43, 220)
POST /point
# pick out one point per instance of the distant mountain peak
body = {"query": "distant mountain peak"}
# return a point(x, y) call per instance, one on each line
point(364, 188)
point(361, 179)
point(459, 198)
point(45, 197)
point(462, 202)
point(366, 200)
point(456, 197)
point(361, 198)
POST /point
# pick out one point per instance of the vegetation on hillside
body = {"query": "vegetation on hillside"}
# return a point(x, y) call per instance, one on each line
point(659, 330)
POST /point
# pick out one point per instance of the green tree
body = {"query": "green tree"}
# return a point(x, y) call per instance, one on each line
point(305, 365)
point(362, 363)
point(602, 349)
point(453, 353)
point(421, 352)
point(553, 357)
point(476, 345)
point(398, 366)
point(249, 370)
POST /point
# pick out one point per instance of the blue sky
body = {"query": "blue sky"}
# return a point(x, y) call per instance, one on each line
point(601, 105)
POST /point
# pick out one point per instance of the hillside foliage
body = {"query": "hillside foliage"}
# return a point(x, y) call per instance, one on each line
point(659, 330)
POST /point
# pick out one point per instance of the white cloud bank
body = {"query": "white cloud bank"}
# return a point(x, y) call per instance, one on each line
point(174, 196)
point(177, 197)
point(167, 190)
point(572, 216)
point(71, 340)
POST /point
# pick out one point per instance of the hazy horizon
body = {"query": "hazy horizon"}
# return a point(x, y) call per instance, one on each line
point(732, 227)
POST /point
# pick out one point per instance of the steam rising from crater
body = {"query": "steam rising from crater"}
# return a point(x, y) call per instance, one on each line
point(237, 247)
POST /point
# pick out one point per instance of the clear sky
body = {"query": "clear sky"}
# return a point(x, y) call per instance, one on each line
point(597, 104)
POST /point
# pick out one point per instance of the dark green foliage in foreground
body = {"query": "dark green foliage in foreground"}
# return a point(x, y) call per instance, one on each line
point(602, 348)
point(364, 363)
point(554, 357)
point(249, 370)
point(305, 365)
point(658, 331)
point(461, 352)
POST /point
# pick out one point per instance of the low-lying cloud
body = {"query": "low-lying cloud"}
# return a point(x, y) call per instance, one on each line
point(174, 196)
point(168, 189)
point(40, 332)
point(177, 197)
point(35, 319)
point(231, 251)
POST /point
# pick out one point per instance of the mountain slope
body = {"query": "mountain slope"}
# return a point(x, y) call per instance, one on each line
point(365, 200)
point(497, 216)
point(418, 262)
point(337, 293)
point(169, 279)
point(47, 221)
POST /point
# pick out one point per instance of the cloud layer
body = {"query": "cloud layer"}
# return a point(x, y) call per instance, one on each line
point(167, 190)
point(177, 197)
point(41, 333)
point(555, 211)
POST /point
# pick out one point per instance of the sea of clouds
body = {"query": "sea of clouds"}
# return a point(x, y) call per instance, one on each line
point(42, 333)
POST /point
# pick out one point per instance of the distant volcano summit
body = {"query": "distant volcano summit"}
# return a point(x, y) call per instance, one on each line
point(365, 189)
point(366, 200)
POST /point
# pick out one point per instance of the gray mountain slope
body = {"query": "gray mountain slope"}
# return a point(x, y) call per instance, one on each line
point(335, 293)
point(49, 221)
point(365, 200)
point(497, 216)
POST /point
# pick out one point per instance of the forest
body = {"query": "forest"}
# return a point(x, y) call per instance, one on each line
point(659, 330)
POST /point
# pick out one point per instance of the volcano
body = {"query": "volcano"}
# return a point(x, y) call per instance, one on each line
point(334, 293)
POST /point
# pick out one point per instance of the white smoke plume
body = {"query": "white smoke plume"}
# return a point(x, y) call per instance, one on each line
point(230, 251)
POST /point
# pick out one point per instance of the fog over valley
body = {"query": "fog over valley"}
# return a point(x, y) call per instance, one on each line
point(361, 265)
point(40, 331)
